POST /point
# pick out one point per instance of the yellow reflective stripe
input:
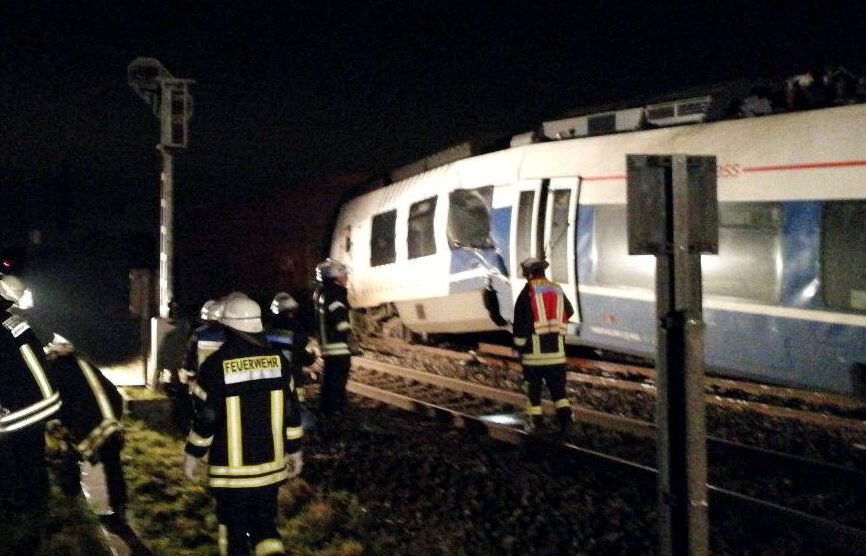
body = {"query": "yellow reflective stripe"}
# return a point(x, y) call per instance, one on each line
point(342, 326)
point(270, 546)
point(38, 407)
point(36, 370)
point(335, 305)
point(277, 412)
point(336, 348)
point(97, 436)
point(278, 464)
point(538, 359)
point(198, 392)
point(294, 433)
point(564, 402)
point(519, 341)
point(223, 539)
point(206, 348)
point(533, 410)
point(234, 438)
point(98, 390)
point(219, 482)
point(30, 415)
point(198, 440)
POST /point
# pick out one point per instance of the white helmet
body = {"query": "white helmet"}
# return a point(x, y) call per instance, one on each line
point(205, 309)
point(13, 289)
point(215, 311)
point(59, 345)
point(242, 313)
point(330, 269)
point(283, 302)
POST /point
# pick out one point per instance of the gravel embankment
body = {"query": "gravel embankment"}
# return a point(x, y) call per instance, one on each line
point(430, 490)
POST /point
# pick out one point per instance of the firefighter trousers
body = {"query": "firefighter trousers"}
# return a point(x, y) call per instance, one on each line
point(335, 375)
point(23, 470)
point(247, 519)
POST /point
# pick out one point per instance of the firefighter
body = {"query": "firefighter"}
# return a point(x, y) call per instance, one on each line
point(337, 341)
point(205, 339)
point(203, 342)
point(27, 400)
point(248, 420)
point(541, 313)
point(88, 424)
point(285, 331)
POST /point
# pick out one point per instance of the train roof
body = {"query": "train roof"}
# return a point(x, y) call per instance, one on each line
point(730, 100)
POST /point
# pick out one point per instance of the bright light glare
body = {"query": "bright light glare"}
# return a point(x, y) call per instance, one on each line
point(507, 419)
point(26, 300)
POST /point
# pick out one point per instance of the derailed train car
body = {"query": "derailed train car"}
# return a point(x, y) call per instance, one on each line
point(784, 299)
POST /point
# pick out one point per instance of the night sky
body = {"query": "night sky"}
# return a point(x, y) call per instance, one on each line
point(291, 92)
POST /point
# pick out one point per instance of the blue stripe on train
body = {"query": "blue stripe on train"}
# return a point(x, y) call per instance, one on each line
point(778, 350)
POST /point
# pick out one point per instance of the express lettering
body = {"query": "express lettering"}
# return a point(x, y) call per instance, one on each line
point(729, 170)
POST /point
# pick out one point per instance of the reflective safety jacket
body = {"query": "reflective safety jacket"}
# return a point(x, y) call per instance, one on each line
point(27, 397)
point(541, 314)
point(203, 342)
point(92, 406)
point(332, 319)
point(247, 414)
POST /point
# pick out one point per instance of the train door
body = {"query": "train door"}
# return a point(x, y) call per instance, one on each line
point(526, 241)
point(544, 224)
point(559, 236)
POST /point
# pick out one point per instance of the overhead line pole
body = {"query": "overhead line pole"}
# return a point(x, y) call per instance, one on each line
point(171, 102)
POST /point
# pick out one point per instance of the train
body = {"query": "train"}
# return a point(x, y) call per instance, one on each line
point(784, 300)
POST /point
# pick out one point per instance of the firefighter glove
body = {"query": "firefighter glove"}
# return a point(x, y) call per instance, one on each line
point(296, 463)
point(190, 464)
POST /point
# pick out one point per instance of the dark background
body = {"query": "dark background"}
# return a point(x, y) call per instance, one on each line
point(297, 101)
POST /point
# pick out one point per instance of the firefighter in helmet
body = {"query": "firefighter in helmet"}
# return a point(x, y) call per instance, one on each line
point(541, 313)
point(205, 339)
point(248, 420)
point(286, 332)
point(27, 401)
point(203, 342)
point(337, 341)
point(88, 422)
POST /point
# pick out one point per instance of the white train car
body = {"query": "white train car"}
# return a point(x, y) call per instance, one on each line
point(784, 300)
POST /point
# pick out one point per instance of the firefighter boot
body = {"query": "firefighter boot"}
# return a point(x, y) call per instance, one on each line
point(565, 419)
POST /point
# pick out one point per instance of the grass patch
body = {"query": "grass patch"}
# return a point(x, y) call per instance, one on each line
point(66, 528)
point(174, 516)
point(141, 393)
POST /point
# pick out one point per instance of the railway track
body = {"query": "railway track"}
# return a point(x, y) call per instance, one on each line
point(734, 408)
point(775, 487)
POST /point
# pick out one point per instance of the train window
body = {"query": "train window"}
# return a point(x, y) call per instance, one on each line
point(421, 239)
point(382, 239)
point(469, 218)
point(558, 247)
point(746, 266)
point(615, 267)
point(523, 237)
point(843, 254)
